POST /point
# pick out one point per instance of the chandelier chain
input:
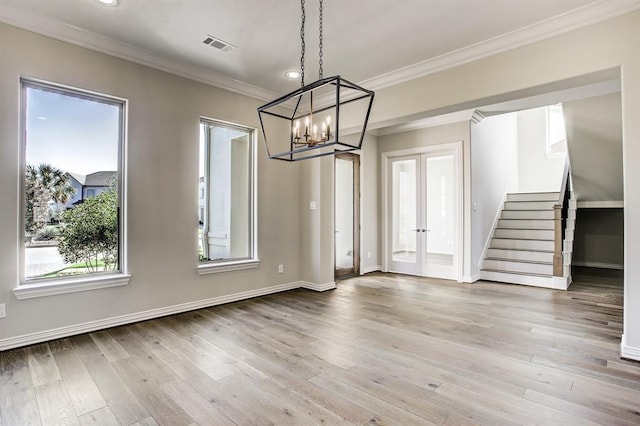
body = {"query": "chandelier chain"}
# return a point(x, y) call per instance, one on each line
point(302, 20)
point(321, 71)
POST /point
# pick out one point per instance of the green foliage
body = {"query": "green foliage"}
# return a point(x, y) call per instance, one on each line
point(90, 232)
point(44, 183)
point(47, 234)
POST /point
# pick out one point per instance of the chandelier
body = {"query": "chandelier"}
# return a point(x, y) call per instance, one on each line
point(306, 123)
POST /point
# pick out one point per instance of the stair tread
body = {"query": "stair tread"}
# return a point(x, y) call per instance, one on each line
point(542, 192)
point(520, 239)
point(524, 229)
point(534, 262)
point(519, 218)
point(516, 273)
point(516, 249)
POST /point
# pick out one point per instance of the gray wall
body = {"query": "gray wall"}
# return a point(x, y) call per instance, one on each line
point(599, 238)
point(163, 119)
point(594, 137)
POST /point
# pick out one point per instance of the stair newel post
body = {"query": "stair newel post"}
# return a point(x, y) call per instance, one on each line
point(557, 237)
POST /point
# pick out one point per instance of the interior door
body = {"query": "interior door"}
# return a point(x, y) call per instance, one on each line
point(423, 215)
point(347, 215)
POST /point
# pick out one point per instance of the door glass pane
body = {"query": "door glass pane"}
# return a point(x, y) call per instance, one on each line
point(404, 210)
point(344, 214)
point(440, 210)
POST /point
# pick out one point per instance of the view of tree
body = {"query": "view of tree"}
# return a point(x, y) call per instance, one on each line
point(44, 183)
point(90, 232)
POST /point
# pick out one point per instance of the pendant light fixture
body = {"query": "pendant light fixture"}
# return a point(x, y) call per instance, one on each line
point(306, 123)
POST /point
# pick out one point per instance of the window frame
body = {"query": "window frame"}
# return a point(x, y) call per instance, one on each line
point(40, 287)
point(549, 144)
point(232, 264)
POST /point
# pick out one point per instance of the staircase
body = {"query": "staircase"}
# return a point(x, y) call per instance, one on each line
point(526, 239)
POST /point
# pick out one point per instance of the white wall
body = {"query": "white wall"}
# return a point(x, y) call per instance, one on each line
point(537, 171)
point(163, 133)
point(494, 172)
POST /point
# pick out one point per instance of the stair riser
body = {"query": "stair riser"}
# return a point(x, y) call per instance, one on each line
point(526, 224)
point(527, 214)
point(525, 234)
point(522, 244)
point(529, 205)
point(517, 279)
point(542, 196)
point(531, 256)
point(508, 266)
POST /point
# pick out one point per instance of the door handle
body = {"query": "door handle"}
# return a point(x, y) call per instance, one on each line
point(416, 230)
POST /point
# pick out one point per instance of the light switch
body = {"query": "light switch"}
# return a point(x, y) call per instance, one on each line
point(312, 205)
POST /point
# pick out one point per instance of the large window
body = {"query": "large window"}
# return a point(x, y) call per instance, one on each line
point(226, 205)
point(72, 184)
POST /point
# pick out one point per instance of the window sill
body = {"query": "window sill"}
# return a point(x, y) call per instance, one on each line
point(215, 268)
point(51, 288)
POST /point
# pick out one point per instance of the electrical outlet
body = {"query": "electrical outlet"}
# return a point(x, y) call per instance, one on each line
point(368, 255)
point(280, 269)
point(312, 205)
point(3, 311)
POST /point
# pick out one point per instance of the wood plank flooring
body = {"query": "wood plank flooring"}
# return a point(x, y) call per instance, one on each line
point(380, 349)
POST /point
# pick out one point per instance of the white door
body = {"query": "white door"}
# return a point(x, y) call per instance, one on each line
point(423, 215)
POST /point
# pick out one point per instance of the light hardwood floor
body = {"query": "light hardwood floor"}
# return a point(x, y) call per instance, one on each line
point(381, 349)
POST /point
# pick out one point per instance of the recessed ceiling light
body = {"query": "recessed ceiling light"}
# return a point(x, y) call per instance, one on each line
point(292, 74)
point(107, 2)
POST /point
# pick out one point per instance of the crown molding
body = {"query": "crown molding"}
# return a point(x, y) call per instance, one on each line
point(439, 120)
point(55, 29)
point(561, 24)
point(570, 21)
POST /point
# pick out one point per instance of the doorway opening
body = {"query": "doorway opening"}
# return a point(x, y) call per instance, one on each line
point(347, 215)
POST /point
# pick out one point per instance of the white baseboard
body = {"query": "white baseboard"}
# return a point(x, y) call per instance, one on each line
point(629, 352)
point(318, 287)
point(602, 265)
point(369, 269)
point(57, 333)
point(561, 283)
point(470, 278)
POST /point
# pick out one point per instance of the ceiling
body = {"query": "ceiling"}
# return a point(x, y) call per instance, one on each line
point(377, 42)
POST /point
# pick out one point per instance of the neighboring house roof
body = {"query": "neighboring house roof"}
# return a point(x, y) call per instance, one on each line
point(78, 177)
point(100, 179)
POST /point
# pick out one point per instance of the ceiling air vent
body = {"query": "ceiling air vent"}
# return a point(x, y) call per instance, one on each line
point(218, 44)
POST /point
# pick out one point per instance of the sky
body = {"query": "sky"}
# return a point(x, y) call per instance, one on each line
point(71, 133)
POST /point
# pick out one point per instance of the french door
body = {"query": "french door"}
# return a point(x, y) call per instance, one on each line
point(423, 214)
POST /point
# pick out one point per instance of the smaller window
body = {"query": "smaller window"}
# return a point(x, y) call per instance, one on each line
point(91, 193)
point(226, 186)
